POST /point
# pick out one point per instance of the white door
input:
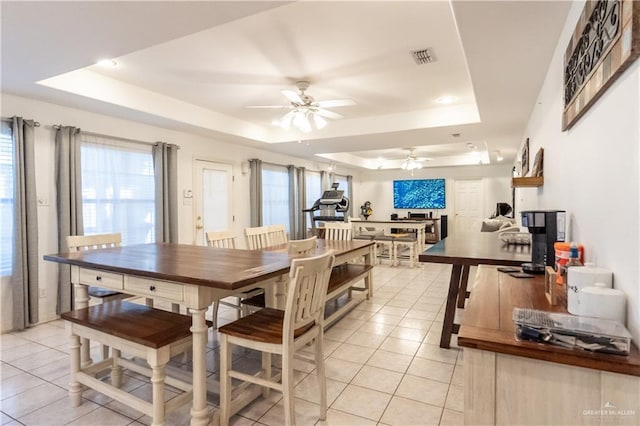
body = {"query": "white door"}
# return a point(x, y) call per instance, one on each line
point(213, 192)
point(468, 205)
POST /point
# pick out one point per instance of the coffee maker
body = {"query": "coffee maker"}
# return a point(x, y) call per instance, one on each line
point(546, 227)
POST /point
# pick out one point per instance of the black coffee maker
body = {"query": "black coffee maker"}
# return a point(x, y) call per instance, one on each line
point(546, 227)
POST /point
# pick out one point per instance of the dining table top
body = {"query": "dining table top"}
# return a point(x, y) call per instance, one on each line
point(476, 248)
point(223, 268)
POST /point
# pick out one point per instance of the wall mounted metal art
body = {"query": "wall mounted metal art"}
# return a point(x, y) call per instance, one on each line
point(605, 42)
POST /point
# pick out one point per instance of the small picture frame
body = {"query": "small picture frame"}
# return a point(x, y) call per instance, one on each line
point(538, 163)
point(551, 289)
point(525, 159)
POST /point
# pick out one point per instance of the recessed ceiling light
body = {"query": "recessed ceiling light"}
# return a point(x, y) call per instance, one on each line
point(107, 63)
point(445, 100)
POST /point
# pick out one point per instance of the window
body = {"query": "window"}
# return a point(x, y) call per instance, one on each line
point(275, 195)
point(6, 199)
point(344, 185)
point(313, 187)
point(118, 190)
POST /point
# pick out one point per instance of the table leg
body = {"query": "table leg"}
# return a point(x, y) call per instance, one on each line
point(462, 294)
point(369, 259)
point(82, 301)
point(199, 410)
point(450, 310)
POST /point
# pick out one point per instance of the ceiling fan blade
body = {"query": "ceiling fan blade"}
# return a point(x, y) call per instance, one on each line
point(328, 114)
point(293, 96)
point(268, 106)
point(335, 103)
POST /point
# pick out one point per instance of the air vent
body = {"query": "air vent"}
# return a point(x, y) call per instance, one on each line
point(423, 56)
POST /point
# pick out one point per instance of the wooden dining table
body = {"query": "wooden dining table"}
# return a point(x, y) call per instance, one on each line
point(462, 251)
point(195, 277)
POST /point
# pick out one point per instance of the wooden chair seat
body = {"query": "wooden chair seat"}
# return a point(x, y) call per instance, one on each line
point(262, 326)
point(106, 295)
point(151, 334)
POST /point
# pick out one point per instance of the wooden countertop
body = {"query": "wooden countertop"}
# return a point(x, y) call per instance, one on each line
point(476, 248)
point(488, 324)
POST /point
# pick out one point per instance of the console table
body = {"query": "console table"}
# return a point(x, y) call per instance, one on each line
point(463, 250)
point(513, 382)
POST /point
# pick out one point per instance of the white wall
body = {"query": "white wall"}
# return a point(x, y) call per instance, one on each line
point(191, 147)
point(377, 186)
point(591, 171)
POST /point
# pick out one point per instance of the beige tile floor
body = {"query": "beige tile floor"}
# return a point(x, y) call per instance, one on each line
point(384, 367)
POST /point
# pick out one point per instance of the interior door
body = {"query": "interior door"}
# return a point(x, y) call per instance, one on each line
point(468, 203)
point(212, 198)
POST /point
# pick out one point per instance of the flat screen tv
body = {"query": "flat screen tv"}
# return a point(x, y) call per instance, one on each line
point(419, 194)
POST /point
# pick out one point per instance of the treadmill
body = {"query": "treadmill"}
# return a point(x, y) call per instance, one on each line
point(332, 200)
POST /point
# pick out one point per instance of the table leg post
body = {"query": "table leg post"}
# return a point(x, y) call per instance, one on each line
point(462, 294)
point(450, 310)
point(369, 259)
point(199, 410)
point(82, 301)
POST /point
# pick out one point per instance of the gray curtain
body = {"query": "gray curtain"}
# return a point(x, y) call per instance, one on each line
point(24, 279)
point(255, 192)
point(351, 197)
point(301, 197)
point(293, 205)
point(165, 167)
point(68, 204)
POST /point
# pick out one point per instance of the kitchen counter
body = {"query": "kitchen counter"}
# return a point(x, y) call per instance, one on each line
point(520, 382)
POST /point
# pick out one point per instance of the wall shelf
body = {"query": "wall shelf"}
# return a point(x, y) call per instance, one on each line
point(533, 181)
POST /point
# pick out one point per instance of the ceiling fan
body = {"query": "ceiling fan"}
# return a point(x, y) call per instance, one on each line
point(412, 162)
point(305, 110)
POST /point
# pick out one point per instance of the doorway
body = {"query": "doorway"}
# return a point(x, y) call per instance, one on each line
point(213, 184)
point(468, 202)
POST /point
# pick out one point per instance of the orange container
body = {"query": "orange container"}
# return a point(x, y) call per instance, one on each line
point(562, 257)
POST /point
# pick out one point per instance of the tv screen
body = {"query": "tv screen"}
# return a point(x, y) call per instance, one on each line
point(419, 194)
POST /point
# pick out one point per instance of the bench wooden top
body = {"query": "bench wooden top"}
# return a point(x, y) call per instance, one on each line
point(141, 324)
point(488, 325)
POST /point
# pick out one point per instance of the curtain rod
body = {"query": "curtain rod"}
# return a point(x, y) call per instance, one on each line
point(9, 119)
point(102, 135)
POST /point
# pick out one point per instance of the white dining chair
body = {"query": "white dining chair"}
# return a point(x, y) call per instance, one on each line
point(227, 239)
point(257, 237)
point(305, 246)
point(273, 331)
point(338, 231)
point(76, 243)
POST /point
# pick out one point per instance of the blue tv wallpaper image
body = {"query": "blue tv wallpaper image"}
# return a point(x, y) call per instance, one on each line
point(419, 194)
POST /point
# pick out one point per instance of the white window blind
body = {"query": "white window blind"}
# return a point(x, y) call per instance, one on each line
point(344, 185)
point(275, 195)
point(118, 189)
point(6, 199)
point(313, 187)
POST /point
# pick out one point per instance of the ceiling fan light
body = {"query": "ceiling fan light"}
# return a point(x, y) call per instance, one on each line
point(319, 121)
point(411, 164)
point(299, 119)
point(285, 122)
